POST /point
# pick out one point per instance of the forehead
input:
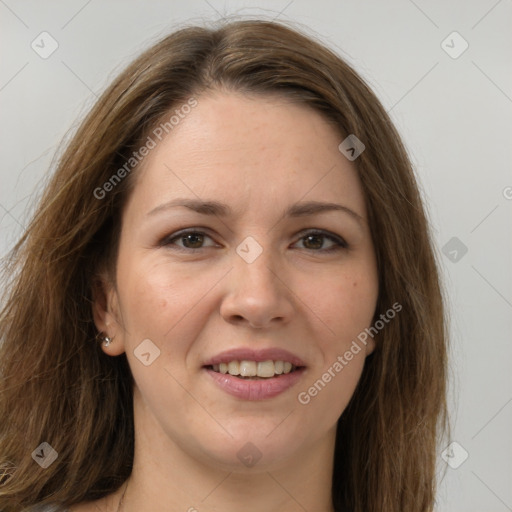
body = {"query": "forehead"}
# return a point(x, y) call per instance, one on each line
point(248, 150)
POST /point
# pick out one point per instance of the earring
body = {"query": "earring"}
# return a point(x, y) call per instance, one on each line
point(107, 341)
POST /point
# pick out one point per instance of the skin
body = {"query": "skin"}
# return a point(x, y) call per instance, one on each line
point(259, 155)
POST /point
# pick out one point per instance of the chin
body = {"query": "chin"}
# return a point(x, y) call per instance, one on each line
point(258, 446)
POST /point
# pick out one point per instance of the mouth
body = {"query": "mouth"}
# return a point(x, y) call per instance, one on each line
point(254, 370)
point(249, 374)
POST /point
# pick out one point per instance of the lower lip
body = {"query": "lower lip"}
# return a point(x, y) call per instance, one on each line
point(246, 389)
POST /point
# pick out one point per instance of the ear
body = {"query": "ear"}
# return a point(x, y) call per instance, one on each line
point(105, 312)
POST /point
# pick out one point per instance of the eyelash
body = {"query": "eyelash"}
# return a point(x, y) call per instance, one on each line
point(340, 243)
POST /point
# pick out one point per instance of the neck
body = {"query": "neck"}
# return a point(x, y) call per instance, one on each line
point(165, 477)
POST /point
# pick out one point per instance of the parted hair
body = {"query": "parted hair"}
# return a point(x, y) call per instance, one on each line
point(58, 386)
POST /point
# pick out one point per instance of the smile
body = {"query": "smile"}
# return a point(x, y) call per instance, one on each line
point(250, 374)
point(255, 387)
point(253, 369)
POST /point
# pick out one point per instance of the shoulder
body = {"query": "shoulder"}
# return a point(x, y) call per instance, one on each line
point(47, 508)
point(106, 504)
point(54, 507)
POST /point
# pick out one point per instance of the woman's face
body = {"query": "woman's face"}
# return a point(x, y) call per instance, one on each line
point(231, 250)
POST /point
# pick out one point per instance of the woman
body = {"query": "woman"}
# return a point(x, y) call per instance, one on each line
point(238, 224)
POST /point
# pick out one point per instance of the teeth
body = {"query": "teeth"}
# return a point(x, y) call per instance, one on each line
point(266, 369)
point(234, 368)
point(248, 369)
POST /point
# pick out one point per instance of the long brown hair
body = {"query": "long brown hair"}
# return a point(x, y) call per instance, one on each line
point(57, 385)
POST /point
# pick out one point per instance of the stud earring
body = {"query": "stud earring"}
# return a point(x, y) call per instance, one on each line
point(107, 341)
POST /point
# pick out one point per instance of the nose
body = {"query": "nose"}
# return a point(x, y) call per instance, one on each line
point(258, 294)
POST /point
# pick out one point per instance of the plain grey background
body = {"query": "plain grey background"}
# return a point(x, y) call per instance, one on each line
point(451, 104)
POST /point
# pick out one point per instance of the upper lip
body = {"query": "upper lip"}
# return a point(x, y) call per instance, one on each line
point(248, 354)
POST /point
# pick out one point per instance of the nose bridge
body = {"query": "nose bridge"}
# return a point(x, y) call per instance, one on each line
point(256, 293)
point(256, 265)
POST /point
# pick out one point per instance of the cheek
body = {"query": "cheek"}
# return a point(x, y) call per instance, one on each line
point(164, 302)
point(151, 304)
point(327, 394)
point(359, 295)
point(346, 305)
point(147, 298)
point(344, 301)
point(160, 305)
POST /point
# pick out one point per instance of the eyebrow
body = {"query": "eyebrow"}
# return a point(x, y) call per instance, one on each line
point(223, 210)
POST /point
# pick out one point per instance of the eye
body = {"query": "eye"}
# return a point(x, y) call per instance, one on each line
point(191, 240)
point(314, 241)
